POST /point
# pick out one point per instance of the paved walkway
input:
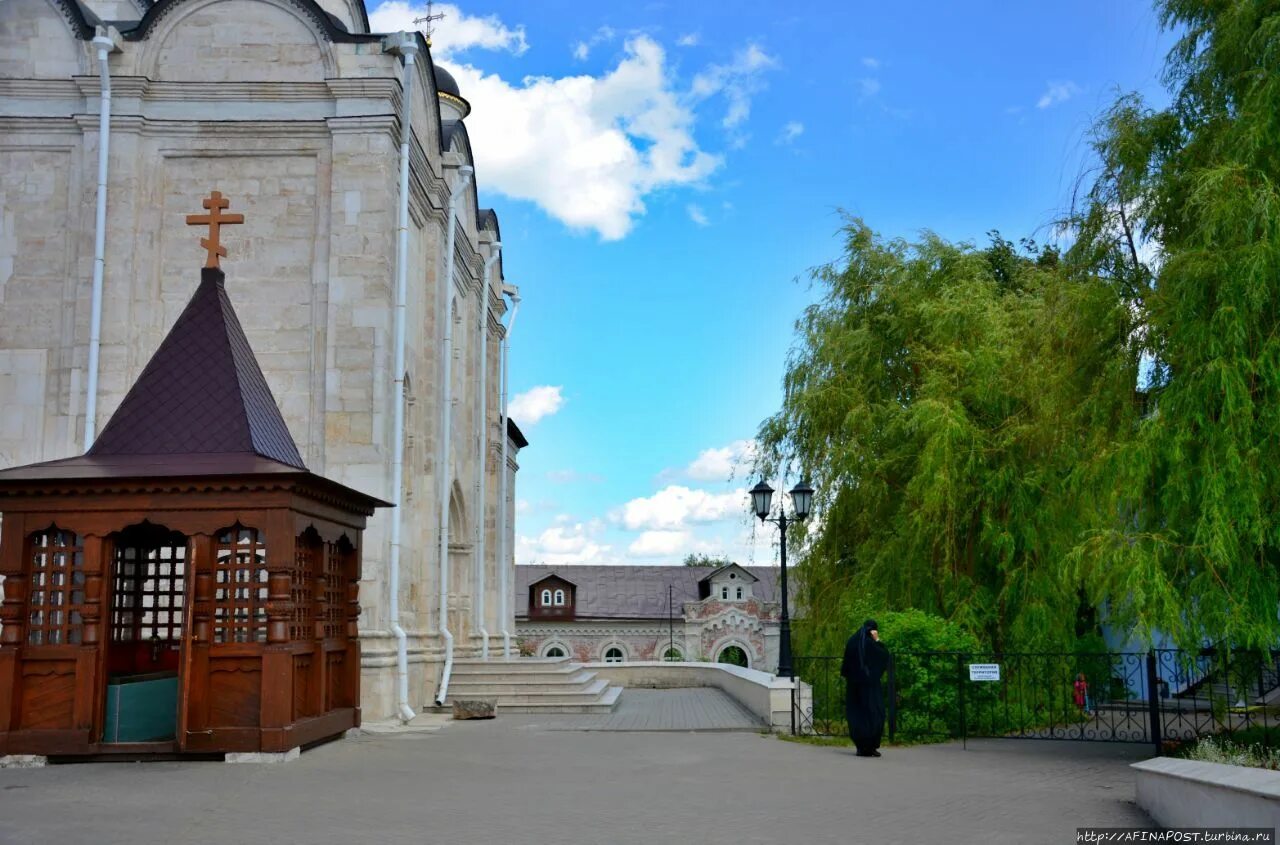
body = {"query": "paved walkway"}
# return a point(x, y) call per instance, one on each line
point(660, 710)
point(506, 783)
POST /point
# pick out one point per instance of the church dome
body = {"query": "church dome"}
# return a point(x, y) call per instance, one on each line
point(450, 94)
point(445, 83)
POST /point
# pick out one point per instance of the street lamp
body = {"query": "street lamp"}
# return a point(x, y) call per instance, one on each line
point(801, 499)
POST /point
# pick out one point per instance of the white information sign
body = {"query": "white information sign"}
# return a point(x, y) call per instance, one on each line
point(984, 671)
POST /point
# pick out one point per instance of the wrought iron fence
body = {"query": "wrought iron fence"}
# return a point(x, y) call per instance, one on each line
point(1158, 697)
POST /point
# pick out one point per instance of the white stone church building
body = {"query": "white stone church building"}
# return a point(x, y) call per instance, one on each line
point(293, 110)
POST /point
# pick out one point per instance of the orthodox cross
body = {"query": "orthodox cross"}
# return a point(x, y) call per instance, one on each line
point(429, 19)
point(215, 202)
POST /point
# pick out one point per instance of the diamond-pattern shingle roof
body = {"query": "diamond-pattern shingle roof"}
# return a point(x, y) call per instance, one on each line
point(202, 392)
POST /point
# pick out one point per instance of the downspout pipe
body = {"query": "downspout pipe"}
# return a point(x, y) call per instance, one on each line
point(504, 586)
point(446, 423)
point(406, 45)
point(105, 45)
point(482, 446)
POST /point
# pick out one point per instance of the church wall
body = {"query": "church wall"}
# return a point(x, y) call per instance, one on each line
point(246, 97)
point(36, 41)
point(210, 42)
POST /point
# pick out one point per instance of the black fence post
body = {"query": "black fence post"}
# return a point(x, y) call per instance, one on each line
point(1153, 703)
point(893, 700)
point(964, 721)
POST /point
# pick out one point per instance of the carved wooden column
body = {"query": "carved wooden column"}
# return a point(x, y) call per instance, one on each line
point(91, 661)
point(276, 713)
point(196, 680)
point(352, 662)
point(12, 618)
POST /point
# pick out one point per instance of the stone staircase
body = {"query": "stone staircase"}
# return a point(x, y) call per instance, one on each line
point(533, 685)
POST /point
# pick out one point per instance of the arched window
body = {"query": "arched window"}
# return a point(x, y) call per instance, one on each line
point(559, 601)
point(613, 654)
point(724, 593)
point(240, 586)
point(554, 651)
point(546, 598)
point(734, 656)
point(739, 594)
point(672, 655)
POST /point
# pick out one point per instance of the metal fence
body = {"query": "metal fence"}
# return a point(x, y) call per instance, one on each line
point(1161, 697)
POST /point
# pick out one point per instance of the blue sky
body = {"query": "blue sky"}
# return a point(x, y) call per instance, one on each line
point(665, 172)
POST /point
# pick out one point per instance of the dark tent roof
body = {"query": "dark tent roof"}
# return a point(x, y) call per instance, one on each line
point(202, 392)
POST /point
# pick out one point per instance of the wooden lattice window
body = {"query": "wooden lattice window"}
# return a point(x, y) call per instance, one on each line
point(56, 597)
point(302, 585)
point(149, 589)
point(240, 586)
point(335, 588)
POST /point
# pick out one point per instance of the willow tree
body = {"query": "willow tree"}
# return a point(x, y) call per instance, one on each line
point(943, 399)
point(1197, 486)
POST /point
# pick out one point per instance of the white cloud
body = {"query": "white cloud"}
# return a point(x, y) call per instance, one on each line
point(697, 215)
point(582, 50)
point(791, 130)
point(660, 543)
point(566, 542)
point(534, 404)
point(456, 33)
point(586, 149)
point(689, 39)
point(673, 507)
point(871, 62)
point(1057, 92)
point(738, 81)
point(720, 464)
point(868, 87)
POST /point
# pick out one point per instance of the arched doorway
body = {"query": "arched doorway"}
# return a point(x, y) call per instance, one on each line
point(734, 655)
point(148, 583)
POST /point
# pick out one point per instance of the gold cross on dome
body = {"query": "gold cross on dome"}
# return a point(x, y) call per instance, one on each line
point(215, 202)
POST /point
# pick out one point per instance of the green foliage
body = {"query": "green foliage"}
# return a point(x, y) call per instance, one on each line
point(1197, 484)
point(942, 398)
point(1012, 438)
point(698, 559)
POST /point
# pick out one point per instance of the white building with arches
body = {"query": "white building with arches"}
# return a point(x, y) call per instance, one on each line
point(294, 110)
point(623, 613)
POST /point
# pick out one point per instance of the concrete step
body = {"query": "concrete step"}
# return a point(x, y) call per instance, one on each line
point(508, 667)
point(568, 675)
point(488, 687)
point(547, 685)
point(604, 704)
point(589, 694)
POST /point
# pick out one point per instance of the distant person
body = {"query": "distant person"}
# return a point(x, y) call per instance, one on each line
point(865, 659)
point(1080, 692)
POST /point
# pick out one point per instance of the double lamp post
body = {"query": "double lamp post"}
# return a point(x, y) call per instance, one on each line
point(761, 502)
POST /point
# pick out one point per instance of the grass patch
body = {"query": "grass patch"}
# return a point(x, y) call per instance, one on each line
point(1252, 747)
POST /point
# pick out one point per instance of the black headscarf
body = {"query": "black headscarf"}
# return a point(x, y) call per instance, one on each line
point(864, 636)
point(855, 665)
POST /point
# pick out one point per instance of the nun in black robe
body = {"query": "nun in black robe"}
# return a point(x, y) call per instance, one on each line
point(865, 661)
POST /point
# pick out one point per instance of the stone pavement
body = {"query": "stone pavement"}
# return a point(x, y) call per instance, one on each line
point(507, 783)
point(704, 709)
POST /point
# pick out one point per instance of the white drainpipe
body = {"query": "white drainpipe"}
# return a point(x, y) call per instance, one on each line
point(407, 47)
point(504, 586)
point(105, 45)
point(446, 419)
point(482, 453)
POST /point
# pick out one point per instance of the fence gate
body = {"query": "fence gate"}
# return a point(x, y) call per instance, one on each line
point(1158, 697)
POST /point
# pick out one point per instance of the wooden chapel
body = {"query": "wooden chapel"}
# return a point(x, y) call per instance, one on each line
point(186, 586)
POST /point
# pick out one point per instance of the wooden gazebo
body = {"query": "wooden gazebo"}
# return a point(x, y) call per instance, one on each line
point(186, 586)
